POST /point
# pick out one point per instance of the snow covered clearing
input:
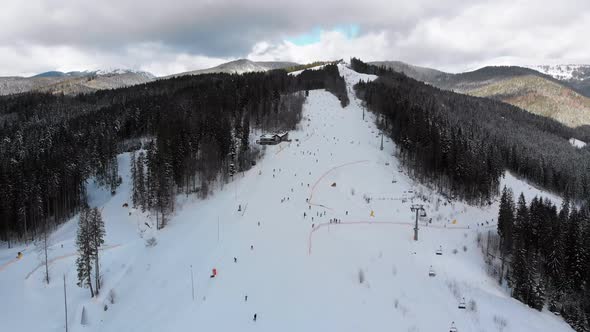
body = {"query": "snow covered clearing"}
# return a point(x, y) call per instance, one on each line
point(296, 73)
point(577, 143)
point(363, 272)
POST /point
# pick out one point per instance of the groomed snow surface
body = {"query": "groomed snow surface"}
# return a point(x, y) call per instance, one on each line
point(300, 275)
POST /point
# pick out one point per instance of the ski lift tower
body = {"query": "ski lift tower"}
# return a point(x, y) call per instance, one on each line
point(417, 208)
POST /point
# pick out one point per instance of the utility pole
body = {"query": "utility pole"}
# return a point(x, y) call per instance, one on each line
point(416, 208)
point(381, 141)
point(193, 283)
point(488, 244)
point(66, 302)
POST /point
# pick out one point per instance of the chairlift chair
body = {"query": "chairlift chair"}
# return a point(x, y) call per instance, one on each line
point(462, 304)
point(453, 328)
point(439, 251)
point(422, 213)
point(431, 272)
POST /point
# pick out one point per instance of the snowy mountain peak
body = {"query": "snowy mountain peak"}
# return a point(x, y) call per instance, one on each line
point(564, 72)
point(240, 66)
point(121, 71)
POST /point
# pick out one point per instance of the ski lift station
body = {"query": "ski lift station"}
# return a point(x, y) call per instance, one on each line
point(272, 139)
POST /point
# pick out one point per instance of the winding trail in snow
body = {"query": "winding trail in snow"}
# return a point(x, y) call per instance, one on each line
point(55, 259)
point(324, 175)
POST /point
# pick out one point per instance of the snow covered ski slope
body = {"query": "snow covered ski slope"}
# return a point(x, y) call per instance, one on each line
point(294, 267)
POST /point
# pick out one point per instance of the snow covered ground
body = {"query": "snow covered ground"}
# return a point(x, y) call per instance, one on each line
point(299, 272)
point(577, 143)
point(560, 72)
point(297, 72)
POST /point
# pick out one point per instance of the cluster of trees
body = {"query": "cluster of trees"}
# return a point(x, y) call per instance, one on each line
point(308, 65)
point(548, 254)
point(194, 126)
point(462, 144)
point(89, 240)
point(328, 78)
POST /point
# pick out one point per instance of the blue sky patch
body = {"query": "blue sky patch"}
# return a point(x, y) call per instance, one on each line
point(349, 30)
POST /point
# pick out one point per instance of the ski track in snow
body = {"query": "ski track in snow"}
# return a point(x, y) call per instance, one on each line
point(288, 287)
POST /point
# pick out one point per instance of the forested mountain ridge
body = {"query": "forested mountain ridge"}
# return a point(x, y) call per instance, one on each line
point(72, 83)
point(461, 145)
point(50, 145)
point(527, 88)
point(240, 66)
point(577, 76)
point(440, 133)
point(540, 96)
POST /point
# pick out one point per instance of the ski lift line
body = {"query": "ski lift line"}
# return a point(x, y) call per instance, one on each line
point(324, 175)
point(327, 224)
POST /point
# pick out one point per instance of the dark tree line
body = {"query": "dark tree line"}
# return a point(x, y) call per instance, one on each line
point(192, 128)
point(328, 78)
point(548, 254)
point(462, 144)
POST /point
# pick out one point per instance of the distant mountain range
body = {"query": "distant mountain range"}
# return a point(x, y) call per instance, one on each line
point(74, 82)
point(559, 92)
point(239, 67)
point(577, 76)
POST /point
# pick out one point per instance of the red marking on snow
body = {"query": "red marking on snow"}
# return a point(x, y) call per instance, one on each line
point(12, 261)
point(380, 223)
point(51, 261)
point(323, 175)
point(7, 264)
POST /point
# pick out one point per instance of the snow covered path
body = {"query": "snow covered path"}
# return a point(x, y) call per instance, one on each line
point(333, 169)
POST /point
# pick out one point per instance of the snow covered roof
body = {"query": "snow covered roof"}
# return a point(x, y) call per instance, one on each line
point(267, 136)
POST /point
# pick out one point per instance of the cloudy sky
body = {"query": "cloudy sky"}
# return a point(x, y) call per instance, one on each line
point(171, 36)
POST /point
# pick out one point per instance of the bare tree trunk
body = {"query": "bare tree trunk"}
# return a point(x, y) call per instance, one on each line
point(90, 286)
point(45, 245)
point(97, 273)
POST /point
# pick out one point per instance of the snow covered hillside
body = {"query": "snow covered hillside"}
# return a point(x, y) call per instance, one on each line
point(75, 82)
point(278, 254)
point(239, 66)
point(564, 72)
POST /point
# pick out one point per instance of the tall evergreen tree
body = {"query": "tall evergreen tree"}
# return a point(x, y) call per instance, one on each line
point(520, 277)
point(97, 233)
point(506, 220)
point(139, 184)
point(85, 251)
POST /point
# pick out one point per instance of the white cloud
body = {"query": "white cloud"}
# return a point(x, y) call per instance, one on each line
point(28, 60)
point(332, 45)
point(187, 34)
